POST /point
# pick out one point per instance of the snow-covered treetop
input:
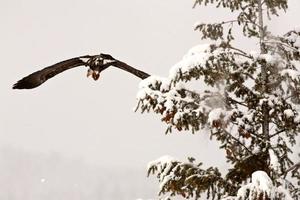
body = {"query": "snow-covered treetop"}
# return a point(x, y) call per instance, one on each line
point(261, 187)
point(232, 110)
point(249, 101)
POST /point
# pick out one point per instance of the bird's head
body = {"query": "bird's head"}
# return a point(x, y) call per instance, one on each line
point(98, 63)
point(95, 74)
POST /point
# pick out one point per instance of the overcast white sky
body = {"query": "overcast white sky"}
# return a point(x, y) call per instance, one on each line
point(78, 117)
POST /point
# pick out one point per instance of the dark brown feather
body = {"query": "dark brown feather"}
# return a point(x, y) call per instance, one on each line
point(134, 71)
point(39, 77)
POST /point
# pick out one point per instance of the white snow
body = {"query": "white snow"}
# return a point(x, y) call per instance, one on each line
point(297, 119)
point(166, 159)
point(294, 37)
point(196, 24)
point(261, 180)
point(151, 80)
point(164, 165)
point(141, 94)
point(196, 56)
point(272, 59)
point(215, 114)
point(288, 113)
point(274, 163)
point(198, 49)
point(293, 74)
point(256, 149)
point(287, 195)
point(154, 86)
point(169, 104)
point(254, 54)
point(260, 184)
point(177, 117)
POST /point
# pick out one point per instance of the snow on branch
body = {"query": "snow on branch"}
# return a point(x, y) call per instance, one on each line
point(215, 62)
point(185, 109)
point(261, 187)
point(293, 37)
point(186, 178)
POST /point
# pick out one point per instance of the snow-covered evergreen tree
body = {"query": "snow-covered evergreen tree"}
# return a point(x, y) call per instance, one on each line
point(248, 101)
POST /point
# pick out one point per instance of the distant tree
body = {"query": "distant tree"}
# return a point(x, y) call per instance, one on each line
point(249, 103)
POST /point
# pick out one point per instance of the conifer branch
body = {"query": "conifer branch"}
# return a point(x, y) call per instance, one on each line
point(230, 21)
point(292, 168)
point(277, 133)
point(241, 52)
point(280, 43)
point(196, 2)
point(236, 49)
point(253, 23)
point(237, 102)
point(249, 75)
point(237, 140)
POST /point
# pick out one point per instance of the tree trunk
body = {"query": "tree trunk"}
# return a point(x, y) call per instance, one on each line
point(265, 109)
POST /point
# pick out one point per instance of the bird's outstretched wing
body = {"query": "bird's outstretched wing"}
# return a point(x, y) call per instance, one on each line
point(39, 77)
point(132, 70)
point(96, 64)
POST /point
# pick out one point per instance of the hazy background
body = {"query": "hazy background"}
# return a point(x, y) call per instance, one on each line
point(74, 138)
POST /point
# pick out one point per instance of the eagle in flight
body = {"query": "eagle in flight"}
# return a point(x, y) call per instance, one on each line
point(96, 64)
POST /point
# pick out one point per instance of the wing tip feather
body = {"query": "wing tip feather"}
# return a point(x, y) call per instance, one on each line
point(24, 84)
point(19, 85)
